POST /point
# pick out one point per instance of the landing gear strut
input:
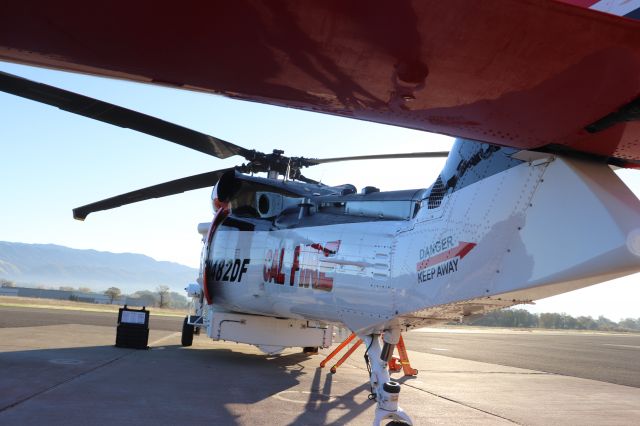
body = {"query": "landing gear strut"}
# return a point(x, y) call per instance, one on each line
point(383, 390)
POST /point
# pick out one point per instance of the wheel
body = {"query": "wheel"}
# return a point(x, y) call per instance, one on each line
point(310, 350)
point(187, 333)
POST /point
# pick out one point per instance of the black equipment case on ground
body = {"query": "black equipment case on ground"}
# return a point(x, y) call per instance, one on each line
point(133, 328)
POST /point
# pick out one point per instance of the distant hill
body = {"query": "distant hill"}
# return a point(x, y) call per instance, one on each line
point(52, 265)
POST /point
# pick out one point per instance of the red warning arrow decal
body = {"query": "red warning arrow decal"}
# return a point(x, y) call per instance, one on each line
point(461, 250)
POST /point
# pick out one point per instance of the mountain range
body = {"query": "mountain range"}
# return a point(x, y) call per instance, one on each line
point(53, 266)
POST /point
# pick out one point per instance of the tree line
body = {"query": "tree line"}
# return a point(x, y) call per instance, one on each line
point(520, 318)
point(510, 318)
point(162, 297)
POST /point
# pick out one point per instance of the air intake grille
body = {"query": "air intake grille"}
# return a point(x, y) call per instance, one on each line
point(437, 193)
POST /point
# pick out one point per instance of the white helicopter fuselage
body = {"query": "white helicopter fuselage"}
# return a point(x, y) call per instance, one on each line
point(513, 227)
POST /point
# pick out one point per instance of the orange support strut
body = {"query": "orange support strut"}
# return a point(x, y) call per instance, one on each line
point(344, 343)
point(393, 365)
point(345, 356)
point(404, 359)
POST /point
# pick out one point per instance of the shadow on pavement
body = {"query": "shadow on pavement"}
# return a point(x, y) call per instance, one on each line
point(164, 385)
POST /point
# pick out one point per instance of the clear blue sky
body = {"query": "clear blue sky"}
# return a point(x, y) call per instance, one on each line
point(53, 161)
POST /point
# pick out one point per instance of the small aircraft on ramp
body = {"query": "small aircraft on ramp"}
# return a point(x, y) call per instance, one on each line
point(544, 97)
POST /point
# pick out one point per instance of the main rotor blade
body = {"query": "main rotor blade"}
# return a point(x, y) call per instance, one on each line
point(177, 186)
point(435, 154)
point(119, 116)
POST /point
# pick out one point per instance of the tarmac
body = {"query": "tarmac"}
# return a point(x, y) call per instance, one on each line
point(72, 374)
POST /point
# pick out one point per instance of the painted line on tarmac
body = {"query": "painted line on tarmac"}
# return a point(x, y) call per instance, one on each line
point(164, 338)
point(408, 384)
point(432, 393)
point(621, 346)
point(506, 373)
point(27, 398)
point(304, 397)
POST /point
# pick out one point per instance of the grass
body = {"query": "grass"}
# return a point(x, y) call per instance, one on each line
point(32, 302)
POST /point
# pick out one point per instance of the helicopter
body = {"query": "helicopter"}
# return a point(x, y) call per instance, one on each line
point(527, 205)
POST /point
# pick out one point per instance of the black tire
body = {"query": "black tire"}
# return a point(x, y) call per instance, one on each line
point(187, 334)
point(310, 350)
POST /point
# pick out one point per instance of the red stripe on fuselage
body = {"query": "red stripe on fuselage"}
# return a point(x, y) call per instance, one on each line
point(215, 223)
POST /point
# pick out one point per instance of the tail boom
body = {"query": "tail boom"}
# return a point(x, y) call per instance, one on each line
point(537, 228)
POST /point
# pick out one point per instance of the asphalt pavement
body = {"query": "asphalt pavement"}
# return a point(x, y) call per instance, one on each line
point(11, 317)
point(71, 374)
point(607, 357)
